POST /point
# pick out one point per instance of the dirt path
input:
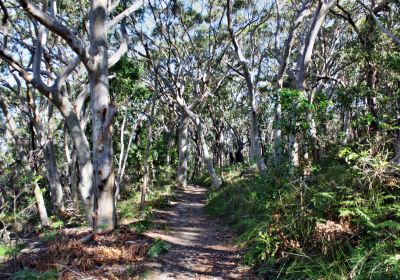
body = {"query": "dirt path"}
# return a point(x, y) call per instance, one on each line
point(199, 247)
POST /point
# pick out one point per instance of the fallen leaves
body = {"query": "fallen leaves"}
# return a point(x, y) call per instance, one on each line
point(121, 247)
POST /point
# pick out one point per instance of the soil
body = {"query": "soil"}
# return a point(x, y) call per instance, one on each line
point(199, 247)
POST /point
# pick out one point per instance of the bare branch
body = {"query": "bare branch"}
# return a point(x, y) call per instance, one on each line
point(131, 9)
point(123, 48)
point(394, 38)
point(57, 27)
point(5, 12)
point(60, 80)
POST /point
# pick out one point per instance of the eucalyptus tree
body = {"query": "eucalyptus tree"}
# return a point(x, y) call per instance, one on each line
point(250, 68)
point(90, 49)
point(191, 52)
point(27, 158)
point(368, 69)
point(283, 53)
point(310, 31)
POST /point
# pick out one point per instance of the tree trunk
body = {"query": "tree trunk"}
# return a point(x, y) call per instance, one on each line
point(56, 190)
point(120, 161)
point(278, 131)
point(255, 147)
point(74, 179)
point(196, 168)
point(293, 150)
point(32, 169)
point(183, 150)
point(102, 117)
point(44, 220)
point(305, 59)
point(215, 180)
point(371, 99)
point(54, 178)
point(168, 144)
point(84, 161)
point(346, 126)
point(312, 131)
point(146, 177)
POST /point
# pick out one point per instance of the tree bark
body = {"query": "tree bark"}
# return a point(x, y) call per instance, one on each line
point(146, 176)
point(183, 150)
point(283, 62)
point(215, 180)
point(54, 178)
point(293, 150)
point(22, 154)
point(304, 61)
point(278, 131)
point(255, 147)
point(56, 190)
point(74, 179)
point(102, 117)
point(44, 220)
point(347, 126)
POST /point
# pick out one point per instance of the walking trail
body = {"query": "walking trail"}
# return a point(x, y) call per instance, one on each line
point(199, 247)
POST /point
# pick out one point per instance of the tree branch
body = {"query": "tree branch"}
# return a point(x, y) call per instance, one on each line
point(60, 80)
point(57, 27)
point(394, 38)
point(131, 9)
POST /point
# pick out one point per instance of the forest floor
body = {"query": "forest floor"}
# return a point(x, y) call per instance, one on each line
point(186, 245)
point(198, 248)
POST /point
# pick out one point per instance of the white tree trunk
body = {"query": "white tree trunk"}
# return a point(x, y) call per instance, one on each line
point(44, 220)
point(183, 150)
point(22, 154)
point(74, 179)
point(347, 127)
point(255, 152)
point(278, 131)
point(84, 159)
point(215, 180)
point(102, 117)
point(312, 131)
point(293, 150)
point(146, 176)
point(56, 190)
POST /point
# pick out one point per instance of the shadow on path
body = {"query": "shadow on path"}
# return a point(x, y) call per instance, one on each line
point(199, 247)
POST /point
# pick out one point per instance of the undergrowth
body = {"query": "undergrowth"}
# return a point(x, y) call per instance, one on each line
point(340, 222)
point(157, 248)
point(31, 274)
point(126, 244)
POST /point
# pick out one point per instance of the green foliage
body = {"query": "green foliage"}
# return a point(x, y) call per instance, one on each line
point(341, 223)
point(289, 97)
point(10, 250)
point(157, 248)
point(30, 274)
point(50, 235)
point(124, 83)
point(295, 106)
point(143, 226)
point(146, 223)
point(5, 250)
point(394, 62)
point(128, 207)
point(57, 224)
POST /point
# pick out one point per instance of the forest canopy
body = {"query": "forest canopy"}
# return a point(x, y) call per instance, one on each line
point(286, 111)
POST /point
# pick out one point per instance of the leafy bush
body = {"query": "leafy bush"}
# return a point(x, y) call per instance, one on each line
point(30, 274)
point(159, 246)
point(341, 222)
